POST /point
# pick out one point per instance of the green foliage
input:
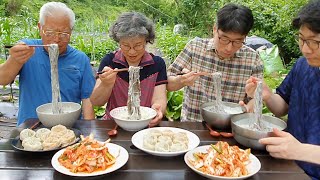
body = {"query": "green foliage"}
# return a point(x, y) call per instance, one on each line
point(174, 105)
point(99, 111)
point(157, 10)
point(170, 44)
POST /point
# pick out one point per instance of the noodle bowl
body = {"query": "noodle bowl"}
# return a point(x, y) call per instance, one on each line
point(121, 117)
point(70, 113)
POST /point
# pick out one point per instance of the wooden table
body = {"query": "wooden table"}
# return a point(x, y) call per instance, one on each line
point(23, 165)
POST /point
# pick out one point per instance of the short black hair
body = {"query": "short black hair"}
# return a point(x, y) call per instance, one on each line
point(309, 16)
point(235, 18)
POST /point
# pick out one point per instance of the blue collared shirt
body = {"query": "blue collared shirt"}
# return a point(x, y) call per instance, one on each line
point(301, 91)
point(76, 80)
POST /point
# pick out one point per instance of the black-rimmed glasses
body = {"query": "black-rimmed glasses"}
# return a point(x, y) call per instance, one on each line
point(226, 41)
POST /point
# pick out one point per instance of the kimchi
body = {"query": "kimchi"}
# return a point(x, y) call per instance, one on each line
point(87, 156)
point(222, 160)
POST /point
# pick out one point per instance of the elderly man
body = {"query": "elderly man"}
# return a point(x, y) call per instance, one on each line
point(225, 53)
point(33, 65)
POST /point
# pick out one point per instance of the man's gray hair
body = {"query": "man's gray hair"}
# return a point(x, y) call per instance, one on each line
point(132, 24)
point(50, 9)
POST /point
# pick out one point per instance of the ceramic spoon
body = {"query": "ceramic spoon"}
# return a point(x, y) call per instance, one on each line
point(226, 134)
point(113, 131)
point(212, 132)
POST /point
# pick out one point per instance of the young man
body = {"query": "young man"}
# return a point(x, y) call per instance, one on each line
point(33, 65)
point(225, 53)
point(299, 97)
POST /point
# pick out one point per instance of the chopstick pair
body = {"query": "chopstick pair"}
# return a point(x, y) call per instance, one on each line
point(198, 73)
point(31, 45)
point(117, 70)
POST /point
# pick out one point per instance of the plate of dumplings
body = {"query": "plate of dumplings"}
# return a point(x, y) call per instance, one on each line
point(165, 141)
point(44, 139)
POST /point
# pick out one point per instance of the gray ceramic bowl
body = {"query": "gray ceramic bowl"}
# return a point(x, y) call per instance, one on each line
point(120, 116)
point(218, 120)
point(71, 113)
point(250, 138)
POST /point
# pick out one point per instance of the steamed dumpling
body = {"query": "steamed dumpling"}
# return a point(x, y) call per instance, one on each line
point(149, 141)
point(42, 133)
point(162, 147)
point(180, 137)
point(58, 130)
point(32, 144)
point(51, 142)
point(178, 146)
point(26, 133)
point(68, 138)
point(168, 132)
point(155, 132)
point(166, 139)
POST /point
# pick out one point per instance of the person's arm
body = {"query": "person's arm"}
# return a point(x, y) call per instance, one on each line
point(87, 109)
point(285, 146)
point(309, 153)
point(275, 103)
point(179, 81)
point(103, 88)
point(182, 64)
point(159, 103)
point(18, 55)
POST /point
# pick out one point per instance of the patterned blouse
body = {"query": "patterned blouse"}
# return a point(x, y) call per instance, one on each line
point(199, 56)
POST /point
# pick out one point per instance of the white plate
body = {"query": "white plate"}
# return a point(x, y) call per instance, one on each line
point(114, 149)
point(253, 167)
point(137, 140)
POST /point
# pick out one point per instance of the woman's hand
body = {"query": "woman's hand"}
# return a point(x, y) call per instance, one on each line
point(108, 77)
point(158, 117)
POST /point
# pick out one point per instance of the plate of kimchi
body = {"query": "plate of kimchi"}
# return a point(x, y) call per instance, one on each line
point(222, 161)
point(90, 158)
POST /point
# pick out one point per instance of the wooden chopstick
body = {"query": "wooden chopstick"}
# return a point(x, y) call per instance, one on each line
point(200, 73)
point(31, 45)
point(117, 70)
point(35, 125)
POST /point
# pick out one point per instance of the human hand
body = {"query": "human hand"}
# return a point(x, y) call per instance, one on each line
point(108, 76)
point(251, 85)
point(21, 53)
point(248, 107)
point(283, 145)
point(189, 77)
point(158, 117)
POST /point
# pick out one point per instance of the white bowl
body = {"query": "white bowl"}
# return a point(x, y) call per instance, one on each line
point(120, 116)
point(71, 113)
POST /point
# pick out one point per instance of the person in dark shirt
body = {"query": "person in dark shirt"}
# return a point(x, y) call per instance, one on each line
point(132, 31)
point(299, 97)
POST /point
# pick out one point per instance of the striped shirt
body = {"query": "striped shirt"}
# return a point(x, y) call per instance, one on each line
point(199, 56)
